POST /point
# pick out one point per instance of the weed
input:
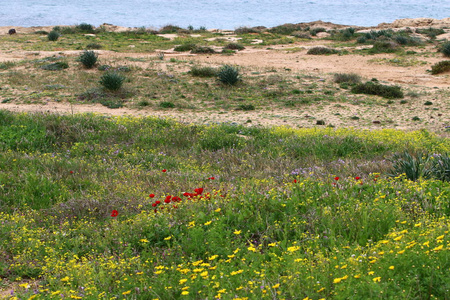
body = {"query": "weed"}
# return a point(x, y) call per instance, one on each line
point(56, 66)
point(229, 75)
point(430, 32)
point(234, 46)
point(246, 30)
point(85, 28)
point(170, 29)
point(203, 71)
point(94, 46)
point(88, 59)
point(185, 47)
point(166, 104)
point(7, 65)
point(316, 30)
point(112, 81)
point(350, 78)
point(203, 50)
point(321, 51)
point(373, 88)
point(53, 36)
point(246, 107)
point(440, 67)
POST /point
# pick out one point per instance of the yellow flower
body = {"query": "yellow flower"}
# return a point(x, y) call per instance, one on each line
point(391, 268)
point(207, 223)
point(398, 238)
point(126, 293)
point(65, 279)
point(167, 238)
point(371, 272)
point(237, 232)
point(182, 281)
point(184, 293)
point(218, 210)
point(251, 248)
point(337, 280)
point(143, 240)
point(418, 225)
point(357, 276)
point(401, 252)
point(427, 243)
point(441, 237)
point(438, 248)
point(376, 279)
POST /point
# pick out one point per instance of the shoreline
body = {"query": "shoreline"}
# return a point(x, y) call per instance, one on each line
point(397, 24)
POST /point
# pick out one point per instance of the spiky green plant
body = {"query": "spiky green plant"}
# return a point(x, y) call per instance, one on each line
point(88, 59)
point(112, 81)
point(229, 75)
point(53, 36)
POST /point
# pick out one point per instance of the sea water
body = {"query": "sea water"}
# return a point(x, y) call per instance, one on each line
point(221, 14)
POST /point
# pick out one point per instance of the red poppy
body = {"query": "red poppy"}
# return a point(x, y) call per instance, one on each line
point(71, 172)
point(357, 178)
point(151, 195)
point(187, 194)
point(295, 181)
point(154, 204)
point(114, 213)
point(164, 170)
point(199, 191)
point(211, 178)
point(157, 202)
point(336, 178)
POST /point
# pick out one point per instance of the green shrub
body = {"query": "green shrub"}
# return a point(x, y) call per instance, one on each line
point(384, 47)
point(431, 32)
point(229, 75)
point(351, 78)
point(167, 104)
point(246, 107)
point(6, 65)
point(445, 49)
point(315, 31)
point(421, 165)
point(203, 50)
point(373, 88)
point(59, 65)
point(203, 71)
point(321, 51)
point(88, 59)
point(112, 81)
point(53, 36)
point(246, 30)
point(301, 34)
point(234, 46)
point(170, 29)
point(285, 29)
point(94, 46)
point(440, 67)
point(185, 47)
point(83, 27)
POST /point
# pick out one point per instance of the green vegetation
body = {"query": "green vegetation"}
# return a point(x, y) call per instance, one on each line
point(88, 59)
point(445, 49)
point(351, 78)
point(53, 36)
point(99, 207)
point(229, 75)
point(203, 71)
point(112, 81)
point(321, 51)
point(440, 67)
point(373, 88)
point(56, 66)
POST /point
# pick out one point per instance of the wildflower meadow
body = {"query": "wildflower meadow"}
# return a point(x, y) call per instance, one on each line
point(95, 207)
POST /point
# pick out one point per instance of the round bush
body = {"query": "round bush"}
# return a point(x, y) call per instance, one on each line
point(446, 49)
point(112, 81)
point(229, 75)
point(88, 59)
point(53, 36)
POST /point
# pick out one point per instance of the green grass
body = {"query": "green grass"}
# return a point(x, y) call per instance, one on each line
point(252, 212)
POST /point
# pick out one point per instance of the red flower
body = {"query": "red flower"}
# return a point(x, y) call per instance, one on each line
point(336, 178)
point(211, 178)
point(164, 170)
point(199, 191)
point(295, 181)
point(154, 204)
point(71, 172)
point(157, 202)
point(114, 213)
point(357, 178)
point(151, 195)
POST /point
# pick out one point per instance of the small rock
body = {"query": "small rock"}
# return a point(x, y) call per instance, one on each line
point(376, 122)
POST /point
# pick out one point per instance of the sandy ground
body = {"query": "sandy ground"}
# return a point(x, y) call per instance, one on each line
point(292, 58)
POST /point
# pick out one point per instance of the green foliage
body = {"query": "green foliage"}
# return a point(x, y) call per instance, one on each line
point(374, 88)
point(203, 50)
point(7, 65)
point(246, 107)
point(56, 66)
point(321, 51)
point(350, 78)
point(445, 49)
point(85, 28)
point(440, 67)
point(246, 30)
point(167, 104)
point(88, 59)
point(285, 29)
point(112, 81)
point(430, 32)
point(421, 165)
point(94, 46)
point(185, 47)
point(234, 46)
point(229, 75)
point(316, 30)
point(169, 29)
point(53, 36)
point(203, 71)
point(384, 47)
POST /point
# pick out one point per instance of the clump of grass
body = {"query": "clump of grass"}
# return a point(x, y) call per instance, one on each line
point(53, 36)
point(374, 88)
point(166, 104)
point(203, 50)
point(56, 66)
point(350, 78)
point(94, 46)
point(301, 34)
point(85, 28)
point(234, 46)
point(421, 165)
point(6, 65)
point(321, 51)
point(440, 67)
point(246, 30)
point(185, 47)
point(384, 47)
point(170, 29)
point(245, 107)
point(316, 30)
point(445, 49)
point(88, 59)
point(112, 81)
point(229, 75)
point(203, 71)
point(430, 32)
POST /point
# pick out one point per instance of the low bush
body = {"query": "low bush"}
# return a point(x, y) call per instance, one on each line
point(185, 47)
point(440, 67)
point(112, 81)
point(170, 29)
point(301, 34)
point(229, 75)
point(321, 51)
point(88, 59)
point(56, 66)
point(167, 104)
point(315, 31)
point(246, 30)
point(373, 88)
point(53, 36)
point(445, 49)
point(203, 71)
point(84, 27)
point(94, 46)
point(203, 50)
point(351, 78)
point(430, 32)
point(386, 46)
point(285, 29)
point(234, 46)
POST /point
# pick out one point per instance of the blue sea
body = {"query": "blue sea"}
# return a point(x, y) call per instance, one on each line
point(220, 14)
